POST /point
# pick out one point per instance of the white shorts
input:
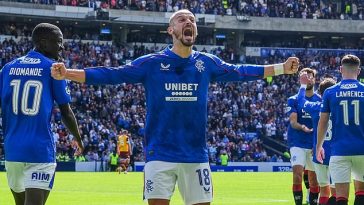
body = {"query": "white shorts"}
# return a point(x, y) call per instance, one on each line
point(341, 168)
point(322, 174)
point(193, 179)
point(303, 157)
point(30, 175)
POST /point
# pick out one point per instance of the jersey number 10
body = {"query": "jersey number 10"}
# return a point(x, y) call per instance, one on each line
point(38, 88)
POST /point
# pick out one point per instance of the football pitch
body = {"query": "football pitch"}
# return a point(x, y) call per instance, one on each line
point(105, 188)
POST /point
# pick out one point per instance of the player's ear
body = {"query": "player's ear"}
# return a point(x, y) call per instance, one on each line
point(359, 69)
point(170, 30)
point(340, 69)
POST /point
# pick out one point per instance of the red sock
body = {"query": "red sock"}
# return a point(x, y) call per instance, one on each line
point(297, 187)
point(359, 193)
point(323, 199)
point(315, 189)
point(341, 199)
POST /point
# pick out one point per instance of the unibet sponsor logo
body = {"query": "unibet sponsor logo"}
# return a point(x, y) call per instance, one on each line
point(181, 91)
point(40, 176)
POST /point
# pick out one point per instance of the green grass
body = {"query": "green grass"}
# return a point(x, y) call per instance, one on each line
point(102, 188)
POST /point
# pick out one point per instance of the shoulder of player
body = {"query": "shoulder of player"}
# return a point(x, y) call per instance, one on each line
point(206, 57)
point(333, 88)
point(149, 58)
point(293, 97)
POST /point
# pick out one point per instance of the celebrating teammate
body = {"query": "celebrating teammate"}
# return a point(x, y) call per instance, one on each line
point(176, 82)
point(343, 103)
point(313, 108)
point(27, 96)
point(300, 140)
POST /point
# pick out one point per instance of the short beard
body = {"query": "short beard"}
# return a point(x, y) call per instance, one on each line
point(179, 37)
point(309, 87)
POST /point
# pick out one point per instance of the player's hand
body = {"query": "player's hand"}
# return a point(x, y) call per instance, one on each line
point(306, 129)
point(291, 65)
point(58, 71)
point(305, 79)
point(320, 154)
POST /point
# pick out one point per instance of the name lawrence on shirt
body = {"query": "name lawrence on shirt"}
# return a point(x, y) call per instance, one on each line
point(349, 94)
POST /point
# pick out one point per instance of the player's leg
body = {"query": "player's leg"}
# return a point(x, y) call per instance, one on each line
point(15, 176)
point(332, 199)
point(323, 179)
point(340, 171)
point(194, 183)
point(298, 162)
point(307, 185)
point(312, 178)
point(19, 198)
point(36, 196)
point(159, 182)
point(39, 179)
point(127, 162)
point(358, 175)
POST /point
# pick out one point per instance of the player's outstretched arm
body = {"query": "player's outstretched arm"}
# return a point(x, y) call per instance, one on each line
point(288, 67)
point(321, 132)
point(70, 121)
point(60, 72)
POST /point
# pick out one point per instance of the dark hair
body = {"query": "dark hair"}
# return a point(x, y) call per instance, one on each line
point(350, 60)
point(309, 71)
point(42, 31)
point(325, 83)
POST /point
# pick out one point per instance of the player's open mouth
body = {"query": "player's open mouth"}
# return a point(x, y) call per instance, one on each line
point(188, 33)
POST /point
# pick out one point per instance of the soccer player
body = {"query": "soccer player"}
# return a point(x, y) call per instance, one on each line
point(313, 108)
point(28, 93)
point(343, 103)
point(176, 82)
point(124, 148)
point(300, 141)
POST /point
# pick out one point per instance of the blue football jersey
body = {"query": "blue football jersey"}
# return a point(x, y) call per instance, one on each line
point(176, 95)
point(299, 138)
point(344, 101)
point(313, 108)
point(27, 95)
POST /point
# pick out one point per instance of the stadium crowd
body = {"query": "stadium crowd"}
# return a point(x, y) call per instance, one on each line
point(311, 9)
point(239, 113)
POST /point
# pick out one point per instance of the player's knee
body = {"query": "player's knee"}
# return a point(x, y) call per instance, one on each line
point(297, 178)
point(158, 202)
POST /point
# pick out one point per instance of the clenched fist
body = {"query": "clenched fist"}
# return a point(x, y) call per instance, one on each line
point(58, 71)
point(291, 65)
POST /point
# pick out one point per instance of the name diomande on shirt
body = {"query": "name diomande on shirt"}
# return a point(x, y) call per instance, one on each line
point(26, 71)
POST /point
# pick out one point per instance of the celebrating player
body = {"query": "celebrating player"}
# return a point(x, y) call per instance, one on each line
point(313, 108)
point(343, 103)
point(300, 140)
point(176, 82)
point(27, 96)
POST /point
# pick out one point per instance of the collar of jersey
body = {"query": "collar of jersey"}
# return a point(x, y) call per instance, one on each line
point(171, 54)
point(348, 81)
point(36, 53)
